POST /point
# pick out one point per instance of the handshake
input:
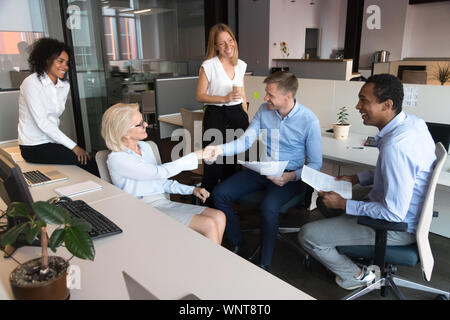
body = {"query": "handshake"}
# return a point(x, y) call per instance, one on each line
point(210, 153)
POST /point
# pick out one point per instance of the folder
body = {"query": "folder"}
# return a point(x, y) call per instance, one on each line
point(78, 188)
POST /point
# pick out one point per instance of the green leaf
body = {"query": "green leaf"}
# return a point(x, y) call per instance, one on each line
point(33, 230)
point(79, 243)
point(19, 209)
point(11, 235)
point(51, 214)
point(83, 224)
point(56, 239)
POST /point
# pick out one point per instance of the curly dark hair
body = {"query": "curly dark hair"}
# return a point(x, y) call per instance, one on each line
point(387, 86)
point(43, 52)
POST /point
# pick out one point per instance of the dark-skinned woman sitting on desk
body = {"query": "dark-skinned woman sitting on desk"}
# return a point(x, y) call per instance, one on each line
point(42, 100)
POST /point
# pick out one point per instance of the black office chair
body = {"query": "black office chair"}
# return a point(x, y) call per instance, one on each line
point(386, 257)
point(254, 199)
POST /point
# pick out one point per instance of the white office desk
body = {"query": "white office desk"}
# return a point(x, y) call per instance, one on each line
point(161, 254)
point(170, 122)
point(347, 151)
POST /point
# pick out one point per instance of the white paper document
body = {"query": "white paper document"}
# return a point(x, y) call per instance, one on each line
point(78, 189)
point(323, 182)
point(269, 168)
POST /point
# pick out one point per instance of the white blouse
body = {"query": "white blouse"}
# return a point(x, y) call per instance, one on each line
point(41, 103)
point(141, 175)
point(220, 83)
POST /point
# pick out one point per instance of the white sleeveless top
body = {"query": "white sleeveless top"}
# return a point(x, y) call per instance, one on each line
point(219, 82)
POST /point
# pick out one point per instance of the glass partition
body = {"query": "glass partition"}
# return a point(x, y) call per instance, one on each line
point(145, 40)
point(16, 35)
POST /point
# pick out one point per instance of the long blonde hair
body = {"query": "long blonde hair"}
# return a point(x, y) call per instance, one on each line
point(211, 51)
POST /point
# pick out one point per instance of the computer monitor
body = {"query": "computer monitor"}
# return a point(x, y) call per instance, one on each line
point(13, 186)
point(440, 133)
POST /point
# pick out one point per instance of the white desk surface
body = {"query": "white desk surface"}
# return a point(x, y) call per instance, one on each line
point(161, 254)
point(174, 118)
point(344, 150)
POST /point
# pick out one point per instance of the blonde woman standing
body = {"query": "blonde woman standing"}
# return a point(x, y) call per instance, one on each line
point(226, 108)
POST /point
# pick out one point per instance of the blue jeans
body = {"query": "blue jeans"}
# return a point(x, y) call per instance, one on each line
point(247, 181)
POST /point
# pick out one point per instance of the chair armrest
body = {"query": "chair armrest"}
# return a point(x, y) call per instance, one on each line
point(378, 224)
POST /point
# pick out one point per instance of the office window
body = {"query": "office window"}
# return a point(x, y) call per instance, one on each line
point(120, 35)
point(21, 23)
point(128, 48)
point(111, 47)
point(14, 57)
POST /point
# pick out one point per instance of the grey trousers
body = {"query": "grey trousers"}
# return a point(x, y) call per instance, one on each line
point(320, 239)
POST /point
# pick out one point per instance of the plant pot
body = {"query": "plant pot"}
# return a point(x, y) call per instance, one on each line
point(340, 132)
point(25, 284)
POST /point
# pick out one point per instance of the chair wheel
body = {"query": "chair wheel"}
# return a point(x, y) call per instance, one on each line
point(394, 269)
point(441, 297)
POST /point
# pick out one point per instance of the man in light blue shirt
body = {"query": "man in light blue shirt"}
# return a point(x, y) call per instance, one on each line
point(400, 182)
point(291, 133)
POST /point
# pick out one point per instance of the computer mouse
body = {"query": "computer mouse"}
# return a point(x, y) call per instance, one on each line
point(55, 200)
point(64, 199)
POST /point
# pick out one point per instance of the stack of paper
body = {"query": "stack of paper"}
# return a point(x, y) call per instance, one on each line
point(323, 182)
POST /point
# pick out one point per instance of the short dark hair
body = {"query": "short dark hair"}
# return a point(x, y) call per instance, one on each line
point(387, 86)
point(286, 81)
point(43, 52)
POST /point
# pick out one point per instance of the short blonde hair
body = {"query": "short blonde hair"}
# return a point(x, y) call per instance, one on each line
point(211, 51)
point(116, 122)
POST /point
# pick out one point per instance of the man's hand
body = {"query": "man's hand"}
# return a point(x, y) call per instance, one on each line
point(212, 152)
point(201, 193)
point(81, 154)
point(285, 178)
point(353, 179)
point(332, 200)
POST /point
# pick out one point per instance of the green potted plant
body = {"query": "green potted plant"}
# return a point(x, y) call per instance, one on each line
point(342, 127)
point(45, 277)
point(442, 74)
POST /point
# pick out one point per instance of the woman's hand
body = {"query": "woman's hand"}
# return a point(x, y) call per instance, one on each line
point(233, 96)
point(201, 193)
point(81, 154)
point(210, 153)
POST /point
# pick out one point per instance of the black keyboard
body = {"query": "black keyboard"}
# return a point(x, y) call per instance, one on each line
point(36, 177)
point(101, 225)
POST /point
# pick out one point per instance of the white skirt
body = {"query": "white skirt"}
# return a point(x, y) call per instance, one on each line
point(182, 212)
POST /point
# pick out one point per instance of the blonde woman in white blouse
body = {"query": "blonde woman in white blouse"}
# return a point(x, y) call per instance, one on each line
point(226, 108)
point(133, 168)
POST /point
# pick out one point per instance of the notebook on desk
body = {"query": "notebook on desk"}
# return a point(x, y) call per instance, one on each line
point(44, 175)
point(78, 189)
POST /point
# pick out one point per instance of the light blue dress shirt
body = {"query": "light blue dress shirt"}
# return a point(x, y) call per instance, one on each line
point(296, 138)
point(402, 174)
point(141, 175)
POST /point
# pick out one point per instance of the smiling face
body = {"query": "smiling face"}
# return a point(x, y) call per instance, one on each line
point(372, 112)
point(225, 45)
point(277, 99)
point(138, 130)
point(58, 67)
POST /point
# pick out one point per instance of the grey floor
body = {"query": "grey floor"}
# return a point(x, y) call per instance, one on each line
point(317, 281)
